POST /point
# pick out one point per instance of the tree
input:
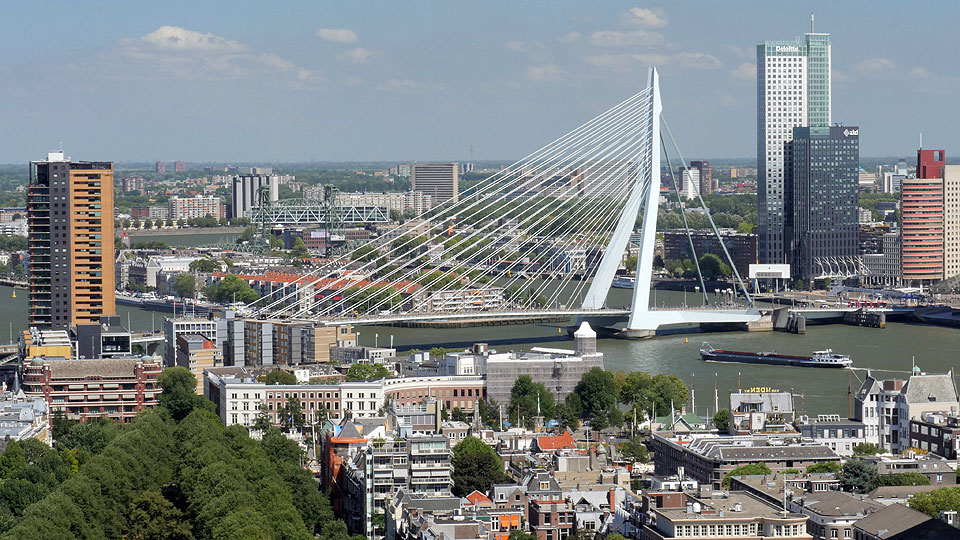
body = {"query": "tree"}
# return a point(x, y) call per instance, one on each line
point(631, 263)
point(291, 415)
point(713, 267)
point(858, 476)
point(147, 224)
point(866, 449)
point(181, 223)
point(721, 420)
point(524, 398)
point(362, 372)
point(903, 479)
point(185, 285)
point(279, 376)
point(635, 450)
point(204, 265)
point(152, 517)
point(745, 228)
point(933, 502)
point(231, 289)
point(745, 470)
point(300, 250)
point(179, 395)
point(262, 421)
point(598, 392)
point(489, 413)
point(476, 466)
point(825, 467)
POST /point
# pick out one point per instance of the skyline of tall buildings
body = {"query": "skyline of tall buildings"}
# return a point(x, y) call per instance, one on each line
point(793, 90)
point(70, 212)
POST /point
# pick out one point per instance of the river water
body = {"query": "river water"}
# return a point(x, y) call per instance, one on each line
point(890, 351)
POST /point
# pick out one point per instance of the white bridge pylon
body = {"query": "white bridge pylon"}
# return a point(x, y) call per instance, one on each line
point(646, 190)
point(525, 240)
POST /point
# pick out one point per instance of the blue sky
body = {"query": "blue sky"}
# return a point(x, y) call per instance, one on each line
point(333, 81)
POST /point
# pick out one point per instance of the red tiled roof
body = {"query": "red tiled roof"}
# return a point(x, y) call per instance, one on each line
point(558, 442)
point(476, 498)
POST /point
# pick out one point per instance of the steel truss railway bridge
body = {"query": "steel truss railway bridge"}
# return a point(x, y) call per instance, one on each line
point(564, 213)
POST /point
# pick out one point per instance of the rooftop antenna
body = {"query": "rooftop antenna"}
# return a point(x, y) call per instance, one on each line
point(811, 22)
point(921, 140)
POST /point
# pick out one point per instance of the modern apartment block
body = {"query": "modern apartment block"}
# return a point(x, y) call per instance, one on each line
point(793, 90)
point(951, 221)
point(742, 246)
point(160, 167)
point(246, 192)
point(194, 207)
point(439, 180)
point(198, 353)
point(70, 214)
point(821, 199)
point(922, 226)
point(132, 184)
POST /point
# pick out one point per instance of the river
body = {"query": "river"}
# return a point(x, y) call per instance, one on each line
point(890, 351)
point(188, 239)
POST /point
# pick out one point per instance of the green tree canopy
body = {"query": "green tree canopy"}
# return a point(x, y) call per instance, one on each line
point(745, 470)
point(903, 479)
point(279, 376)
point(179, 395)
point(635, 449)
point(229, 289)
point(204, 265)
point(185, 284)
point(713, 267)
point(858, 476)
point(476, 466)
point(825, 467)
point(152, 517)
point(360, 372)
point(598, 392)
point(721, 420)
point(866, 449)
point(524, 396)
point(300, 250)
point(933, 502)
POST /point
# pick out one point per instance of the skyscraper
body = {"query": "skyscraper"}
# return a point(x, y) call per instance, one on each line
point(822, 199)
point(793, 90)
point(706, 176)
point(160, 167)
point(70, 212)
point(922, 227)
point(439, 180)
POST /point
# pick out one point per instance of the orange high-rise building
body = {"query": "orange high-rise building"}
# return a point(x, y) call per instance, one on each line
point(70, 213)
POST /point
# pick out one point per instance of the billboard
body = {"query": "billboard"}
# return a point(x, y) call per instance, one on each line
point(769, 271)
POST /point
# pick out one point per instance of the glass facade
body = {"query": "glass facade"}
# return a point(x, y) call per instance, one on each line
point(793, 90)
point(822, 182)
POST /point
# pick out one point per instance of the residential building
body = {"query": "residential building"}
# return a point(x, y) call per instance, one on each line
point(711, 515)
point(441, 181)
point(552, 519)
point(793, 90)
point(179, 166)
point(832, 514)
point(761, 412)
point(884, 267)
point(707, 183)
point(150, 212)
point(193, 207)
point(115, 388)
point(937, 433)
point(951, 221)
point(821, 199)
point(132, 184)
point(840, 434)
point(160, 167)
point(415, 201)
point(887, 407)
point(175, 327)
point(707, 457)
point(197, 354)
point(70, 210)
point(742, 246)
point(689, 183)
point(898, 522)
point(23, 418)
point(246, 192)
point(105, 338)
point(892, 182)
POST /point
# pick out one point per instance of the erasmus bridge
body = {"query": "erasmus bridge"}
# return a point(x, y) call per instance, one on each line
point(543, 237)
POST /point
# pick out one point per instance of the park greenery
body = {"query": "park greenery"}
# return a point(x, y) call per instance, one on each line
point(599, 398)
point(476, 467)
point(230, 289)
point(173, 473)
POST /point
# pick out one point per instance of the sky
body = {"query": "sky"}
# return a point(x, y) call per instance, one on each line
point(253, 81)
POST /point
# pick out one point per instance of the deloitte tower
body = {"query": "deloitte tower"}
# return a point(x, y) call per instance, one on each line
point(793, 90)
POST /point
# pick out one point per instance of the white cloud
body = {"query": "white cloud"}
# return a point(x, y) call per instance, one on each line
point(651, 18)
point(875, 65)
point(616, 38)
point(179, 53)
point(337, 35)
point(697, 60)
point(920, 72)
point(545, 72)
point(514, 45)
point(357, 56)
point(406, 85)
point(746, 71)
point(569, 37)
point(181, 39)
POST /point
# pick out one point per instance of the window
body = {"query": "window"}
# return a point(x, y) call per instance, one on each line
point(544, 486)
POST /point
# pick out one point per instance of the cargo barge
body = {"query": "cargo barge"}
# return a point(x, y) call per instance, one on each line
point(822, 359)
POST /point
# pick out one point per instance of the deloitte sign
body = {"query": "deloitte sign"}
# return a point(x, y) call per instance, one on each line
point(788, 49)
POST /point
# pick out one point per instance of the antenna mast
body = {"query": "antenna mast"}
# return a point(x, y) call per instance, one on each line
point(811, 22)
